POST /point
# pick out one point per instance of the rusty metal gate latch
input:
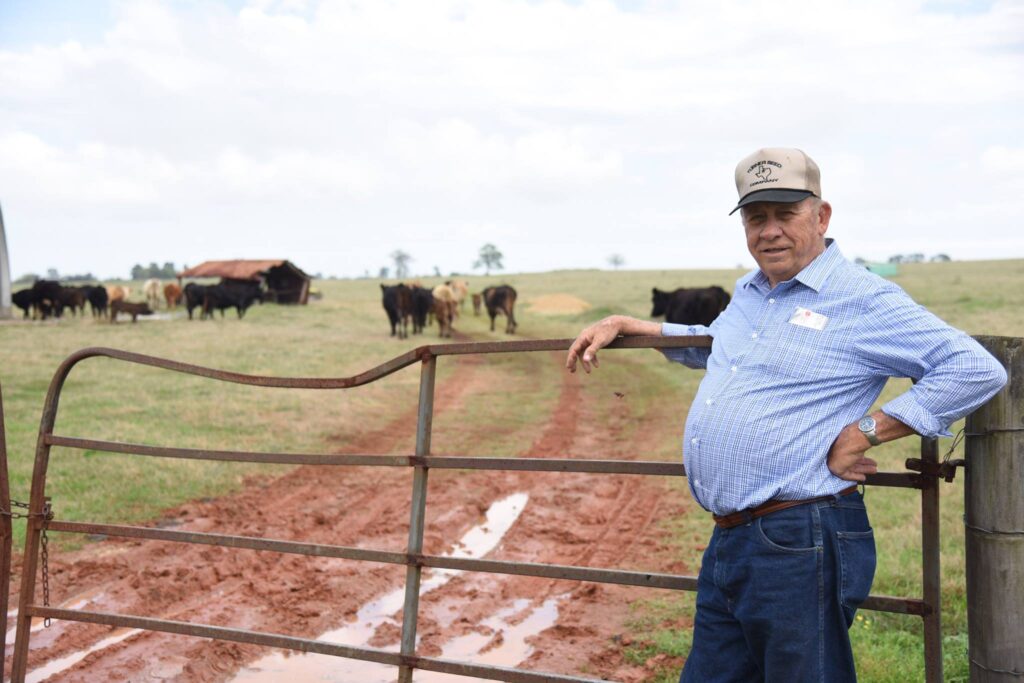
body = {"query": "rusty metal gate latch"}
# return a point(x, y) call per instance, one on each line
point(943, 470)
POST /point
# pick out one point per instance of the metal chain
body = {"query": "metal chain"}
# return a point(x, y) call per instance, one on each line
point(17, 515)
point(47, 516)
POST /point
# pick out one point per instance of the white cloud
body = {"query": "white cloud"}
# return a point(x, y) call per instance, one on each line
point(540, 122)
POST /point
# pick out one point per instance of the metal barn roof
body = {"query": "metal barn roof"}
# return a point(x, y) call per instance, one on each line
point(239, 269)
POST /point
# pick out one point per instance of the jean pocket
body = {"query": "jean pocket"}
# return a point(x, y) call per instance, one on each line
point(789, 531)
point(857, 558)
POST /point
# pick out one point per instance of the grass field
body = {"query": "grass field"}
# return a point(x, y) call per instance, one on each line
point(346, 332)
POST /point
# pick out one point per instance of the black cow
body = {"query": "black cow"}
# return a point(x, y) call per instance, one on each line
point(48, 295)
point(239, 295)
point(194, 295)
point(697, 306)
point(97, 298)
point(25, 299)
point(397, 301)
point(422, 303)
point(501, 299)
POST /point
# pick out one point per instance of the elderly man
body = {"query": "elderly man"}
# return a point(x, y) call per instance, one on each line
point(780, 425)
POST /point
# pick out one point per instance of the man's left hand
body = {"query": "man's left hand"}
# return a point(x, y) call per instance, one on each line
point(846, 458)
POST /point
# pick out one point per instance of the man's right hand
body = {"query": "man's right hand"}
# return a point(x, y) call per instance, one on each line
point(603, 333)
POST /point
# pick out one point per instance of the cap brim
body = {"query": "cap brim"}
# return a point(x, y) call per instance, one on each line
point(777, 196)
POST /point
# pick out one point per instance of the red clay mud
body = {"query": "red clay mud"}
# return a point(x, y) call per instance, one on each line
point(575, 519)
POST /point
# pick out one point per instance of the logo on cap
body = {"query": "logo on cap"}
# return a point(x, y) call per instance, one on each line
point(764, 171)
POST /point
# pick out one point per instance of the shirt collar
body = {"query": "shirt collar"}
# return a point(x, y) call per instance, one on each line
point(813, 276)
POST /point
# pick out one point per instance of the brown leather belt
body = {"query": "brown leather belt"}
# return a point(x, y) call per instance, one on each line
point(768, 507)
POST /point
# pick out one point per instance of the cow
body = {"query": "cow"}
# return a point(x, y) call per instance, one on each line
point(225, 295)
point(98, 298)
point(72, 298)
point(25, 299)
point(48, 298)
point(134, 310)
point(194, 295)
point(422, 305)
point(445, 307)
point(118, 293)
point(460, 288)
point(477, 301)
point(172, 294)
point(151, 290)
point(397, 302)
point(696, 306)
point(501, 299)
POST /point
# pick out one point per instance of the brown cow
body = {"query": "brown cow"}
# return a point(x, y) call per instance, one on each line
point(134, 310)
point(117, 293)
point(501, 299)
point(172, 294)
point(444, 308)
point(478, 299)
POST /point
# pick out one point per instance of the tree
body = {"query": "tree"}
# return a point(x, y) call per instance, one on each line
point(490, 257)
point(384, 272)
point(616, 260)
point(401, 260)
point(52, 274)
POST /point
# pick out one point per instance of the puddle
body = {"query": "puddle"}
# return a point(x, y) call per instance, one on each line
point(508, 650)
point(476, 543)
point(58, 665)
point(75, 602)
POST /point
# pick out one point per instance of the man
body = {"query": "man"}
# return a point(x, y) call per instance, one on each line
point(779, 429)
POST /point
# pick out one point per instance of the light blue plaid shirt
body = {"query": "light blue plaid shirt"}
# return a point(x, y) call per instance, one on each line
point(776, 394)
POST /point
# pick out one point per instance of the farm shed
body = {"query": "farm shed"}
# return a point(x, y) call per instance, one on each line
point(286, 283)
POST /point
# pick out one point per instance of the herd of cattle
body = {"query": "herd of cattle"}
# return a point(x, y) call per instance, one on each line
point(49, 298)
point(419, 304)
point(402, 302)
point(411, 302)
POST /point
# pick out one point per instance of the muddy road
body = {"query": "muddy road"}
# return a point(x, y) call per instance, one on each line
point(559, 626)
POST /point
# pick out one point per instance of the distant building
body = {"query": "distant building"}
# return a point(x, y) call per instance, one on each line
point(884, 269)
point(285, 282)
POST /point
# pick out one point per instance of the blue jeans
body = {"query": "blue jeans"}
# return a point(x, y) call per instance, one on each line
point(776, 597)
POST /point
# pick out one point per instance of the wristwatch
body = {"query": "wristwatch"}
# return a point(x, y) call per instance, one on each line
point(867, 426)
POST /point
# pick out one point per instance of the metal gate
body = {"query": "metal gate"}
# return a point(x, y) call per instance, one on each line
point(407, 660)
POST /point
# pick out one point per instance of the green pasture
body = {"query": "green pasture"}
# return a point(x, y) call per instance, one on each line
point(346, 332)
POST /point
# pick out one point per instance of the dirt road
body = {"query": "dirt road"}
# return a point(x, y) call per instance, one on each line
point(565, 627)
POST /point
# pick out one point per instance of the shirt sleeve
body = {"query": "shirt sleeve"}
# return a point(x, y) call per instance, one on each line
point(954, 375)
point(691, 357)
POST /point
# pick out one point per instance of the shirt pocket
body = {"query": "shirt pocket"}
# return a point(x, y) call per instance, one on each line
point(806, 354)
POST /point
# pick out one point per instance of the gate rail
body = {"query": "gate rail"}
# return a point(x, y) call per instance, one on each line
point(927, 607)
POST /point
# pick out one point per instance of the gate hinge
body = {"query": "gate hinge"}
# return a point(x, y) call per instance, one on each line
point(943, 470)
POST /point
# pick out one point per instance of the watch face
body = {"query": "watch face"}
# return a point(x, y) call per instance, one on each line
point(867, 424)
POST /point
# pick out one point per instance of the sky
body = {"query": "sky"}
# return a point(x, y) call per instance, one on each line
point(334, 133)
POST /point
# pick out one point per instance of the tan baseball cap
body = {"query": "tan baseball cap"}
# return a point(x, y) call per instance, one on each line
point(776, 174)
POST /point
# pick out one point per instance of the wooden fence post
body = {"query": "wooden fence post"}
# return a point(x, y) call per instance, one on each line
point(994, 524)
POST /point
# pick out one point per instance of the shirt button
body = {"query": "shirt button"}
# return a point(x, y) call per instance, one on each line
point(695, 441)
point(710, 401)
point(734, 368)
point(771, 301)
point(753, 335)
